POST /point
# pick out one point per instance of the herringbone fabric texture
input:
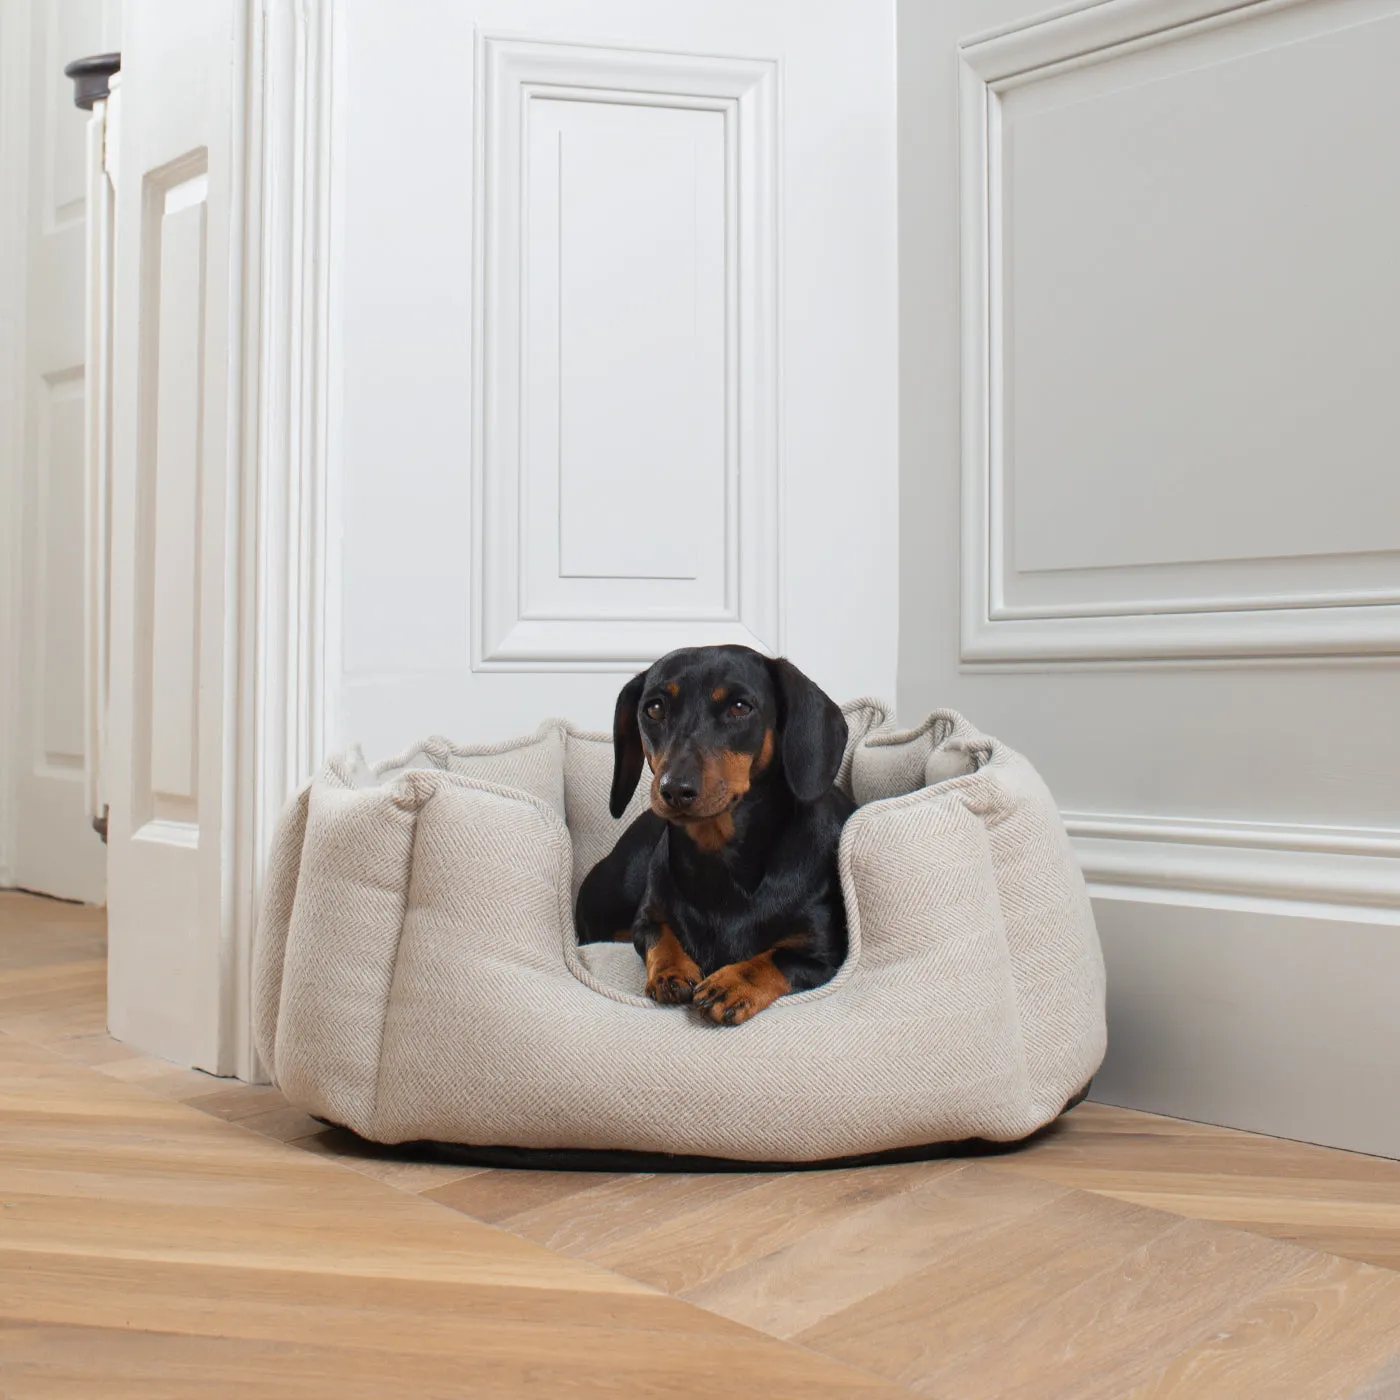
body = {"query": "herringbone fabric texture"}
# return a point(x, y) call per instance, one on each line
point(416, 974)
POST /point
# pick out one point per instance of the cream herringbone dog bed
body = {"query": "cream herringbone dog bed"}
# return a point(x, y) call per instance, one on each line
point(417, 977)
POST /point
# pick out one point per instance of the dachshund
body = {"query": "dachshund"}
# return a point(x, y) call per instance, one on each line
point(728, 886)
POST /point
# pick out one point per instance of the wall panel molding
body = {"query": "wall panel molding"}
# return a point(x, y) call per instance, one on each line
point(1304, 604)
point(687, 144)
point(1320, 865)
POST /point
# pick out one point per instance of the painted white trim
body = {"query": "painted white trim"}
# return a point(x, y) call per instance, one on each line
point(168, 833)
point(1318, 624)
point(1320, 865)
point(1278, 1018)
point(1086, 31)
point(278, 633)
point(15, 61)
point(97, 432)
point(511, 72)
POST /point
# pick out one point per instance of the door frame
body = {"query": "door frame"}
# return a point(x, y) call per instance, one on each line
point(14, 240)
point(275, 141)
point(279, 628)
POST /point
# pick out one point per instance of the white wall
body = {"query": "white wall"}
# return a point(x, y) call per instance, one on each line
point(607, 368)
point(1150, 337)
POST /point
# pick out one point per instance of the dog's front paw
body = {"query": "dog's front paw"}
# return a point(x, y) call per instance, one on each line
point(672, 986)
point(740, 991)
point(671, 972)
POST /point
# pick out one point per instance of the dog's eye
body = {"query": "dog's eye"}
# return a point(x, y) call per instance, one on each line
point(740, 709)
point(654, 709)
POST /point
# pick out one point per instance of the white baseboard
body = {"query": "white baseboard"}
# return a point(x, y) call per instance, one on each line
point(1276, 1015)
point(1253, 973)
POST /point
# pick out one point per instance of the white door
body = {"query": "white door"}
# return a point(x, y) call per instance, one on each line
point(614, 310)
point(172, 428)
point(1150, 347)
point(47, 842)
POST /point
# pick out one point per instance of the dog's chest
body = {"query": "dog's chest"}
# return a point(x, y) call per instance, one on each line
point(728, 924)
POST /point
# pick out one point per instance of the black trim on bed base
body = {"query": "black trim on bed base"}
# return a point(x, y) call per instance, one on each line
point(606, 1159)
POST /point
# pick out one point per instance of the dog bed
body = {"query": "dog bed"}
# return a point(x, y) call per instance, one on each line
point(417, 978)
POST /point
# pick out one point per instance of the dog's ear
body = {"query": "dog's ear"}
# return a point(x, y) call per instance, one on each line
point(813, 732)
point(627, 745)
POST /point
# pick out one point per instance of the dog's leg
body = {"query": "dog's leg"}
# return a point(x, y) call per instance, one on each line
point(612, 891)
point(671, 972)
point(735, 993)
point(740, 991)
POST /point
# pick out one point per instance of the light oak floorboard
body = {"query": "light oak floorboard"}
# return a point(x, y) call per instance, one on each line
point(157, 1231)
point(1340, 1202)
point(1323, 1330)
point(124, 1213)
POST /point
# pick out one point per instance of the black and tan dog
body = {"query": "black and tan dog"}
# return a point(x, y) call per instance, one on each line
point(728, 886)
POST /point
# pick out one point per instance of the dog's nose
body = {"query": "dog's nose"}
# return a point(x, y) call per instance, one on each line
point(678, 793)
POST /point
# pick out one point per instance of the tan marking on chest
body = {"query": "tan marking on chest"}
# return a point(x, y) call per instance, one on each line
point(713, 835)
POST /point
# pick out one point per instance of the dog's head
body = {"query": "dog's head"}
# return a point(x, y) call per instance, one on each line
point(713, 720)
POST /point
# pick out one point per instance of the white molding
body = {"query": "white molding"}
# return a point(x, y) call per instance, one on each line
point(278, 627)
point(1090, 30)
point(511, 72)
point(160, 832)
point(1320, 865)
point(15, 61)
point(1310, 623)
point(97, 433)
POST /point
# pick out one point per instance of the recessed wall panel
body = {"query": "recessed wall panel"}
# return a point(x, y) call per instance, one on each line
point(1203, 319)
point(634, 333)
point(1181, 333)
point(626, 474)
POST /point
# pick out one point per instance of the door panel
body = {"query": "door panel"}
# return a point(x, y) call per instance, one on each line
point(169, 859)
point(54, 847)
point(1149, 314)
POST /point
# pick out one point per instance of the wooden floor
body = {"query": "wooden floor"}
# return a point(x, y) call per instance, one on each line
point(166, 1234)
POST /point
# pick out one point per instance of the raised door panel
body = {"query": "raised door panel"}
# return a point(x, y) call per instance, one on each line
point(174, 264)
point(58, 740)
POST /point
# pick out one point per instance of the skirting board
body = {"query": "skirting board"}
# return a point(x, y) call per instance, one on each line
point(1276, 1018)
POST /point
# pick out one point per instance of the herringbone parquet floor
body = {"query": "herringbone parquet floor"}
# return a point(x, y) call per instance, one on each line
point(166, 1234)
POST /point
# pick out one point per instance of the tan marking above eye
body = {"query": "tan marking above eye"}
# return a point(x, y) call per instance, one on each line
point(673, 690)
point(718, 694)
